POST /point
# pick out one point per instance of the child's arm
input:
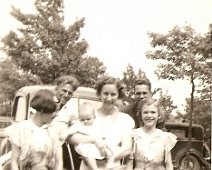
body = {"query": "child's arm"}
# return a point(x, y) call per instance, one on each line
point(75, 128)
point(15, 157)
point(59, 159)
point(169, 165)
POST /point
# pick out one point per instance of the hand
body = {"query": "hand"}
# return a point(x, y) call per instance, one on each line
point(101, 145)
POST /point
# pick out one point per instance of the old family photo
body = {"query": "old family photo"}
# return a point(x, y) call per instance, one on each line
point(105, 84)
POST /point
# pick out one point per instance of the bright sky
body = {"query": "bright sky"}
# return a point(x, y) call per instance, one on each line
point(116, 31)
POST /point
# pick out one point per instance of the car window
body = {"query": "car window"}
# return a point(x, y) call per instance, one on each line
point(19, 110)
point(179, 133)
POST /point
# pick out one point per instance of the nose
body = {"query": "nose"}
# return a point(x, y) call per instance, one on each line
point(109, 98)
point(66, 94)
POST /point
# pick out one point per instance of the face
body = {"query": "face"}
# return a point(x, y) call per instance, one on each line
point(109, 95)
point(87, 118)
point(150, 115)
point(64, 92)
point(142, 92)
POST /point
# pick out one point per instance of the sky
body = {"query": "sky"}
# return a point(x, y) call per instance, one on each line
point(116, 31)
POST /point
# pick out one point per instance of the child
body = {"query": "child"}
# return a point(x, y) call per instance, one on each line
point(152, 149)
point(31, 140)
point(86, 125)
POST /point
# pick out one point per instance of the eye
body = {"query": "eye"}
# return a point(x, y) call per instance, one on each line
point(138, 93)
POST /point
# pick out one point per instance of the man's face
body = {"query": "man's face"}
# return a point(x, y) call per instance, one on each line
point(142, 92)
point(64, 92)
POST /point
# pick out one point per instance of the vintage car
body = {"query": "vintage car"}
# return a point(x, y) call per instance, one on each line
point(199, 157)
point(198, 150)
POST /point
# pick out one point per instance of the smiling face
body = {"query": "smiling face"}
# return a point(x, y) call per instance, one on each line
point(150, 115)
point(109, 95)
point(64, 92)
point(142, 91)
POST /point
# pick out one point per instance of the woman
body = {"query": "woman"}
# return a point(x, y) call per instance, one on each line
point(152, 149)
point(33, 145)
point(115, 126)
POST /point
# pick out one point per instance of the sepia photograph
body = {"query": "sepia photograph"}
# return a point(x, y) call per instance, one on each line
point(105, 84)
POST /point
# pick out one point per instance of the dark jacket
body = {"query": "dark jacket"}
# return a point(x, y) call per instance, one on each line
point(133, 110)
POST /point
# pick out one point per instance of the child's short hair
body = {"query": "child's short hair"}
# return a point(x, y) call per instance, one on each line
point(43, 101)
point(156, 103)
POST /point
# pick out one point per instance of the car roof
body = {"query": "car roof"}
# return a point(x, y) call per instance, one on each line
point(84, 92)
point(179, 124)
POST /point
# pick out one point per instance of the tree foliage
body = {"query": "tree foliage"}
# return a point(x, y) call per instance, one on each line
point(184, 54)
point(46, 48)
point(167, 104)
point(12, 79)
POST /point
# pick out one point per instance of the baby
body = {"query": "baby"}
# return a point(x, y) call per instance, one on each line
point(86, 125)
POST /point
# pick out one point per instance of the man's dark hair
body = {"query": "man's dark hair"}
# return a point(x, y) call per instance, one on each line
point(68, 79)
point(143, 82)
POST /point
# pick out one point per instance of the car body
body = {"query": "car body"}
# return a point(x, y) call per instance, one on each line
point(198, 148)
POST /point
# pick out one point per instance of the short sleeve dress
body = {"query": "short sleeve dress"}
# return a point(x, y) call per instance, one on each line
point(150, 151)
point(32, 139)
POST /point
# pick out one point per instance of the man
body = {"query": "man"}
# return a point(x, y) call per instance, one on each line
point(142, 91)
point(66, 85)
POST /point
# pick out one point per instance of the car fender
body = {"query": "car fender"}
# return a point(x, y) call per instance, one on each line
point(194, 152)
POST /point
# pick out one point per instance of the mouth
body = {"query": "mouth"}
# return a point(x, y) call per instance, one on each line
point(149, 120)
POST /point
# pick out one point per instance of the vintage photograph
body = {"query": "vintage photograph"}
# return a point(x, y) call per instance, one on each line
point(105, 84)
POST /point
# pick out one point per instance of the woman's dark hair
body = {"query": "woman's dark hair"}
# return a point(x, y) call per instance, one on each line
point(68, 79)
point(110, 80)
point(43, 101)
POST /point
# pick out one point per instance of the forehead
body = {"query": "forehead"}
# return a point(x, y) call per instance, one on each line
point(67, 87)
point(149, 107)
point(142, 88)
point(85, 114)
point(110, 88)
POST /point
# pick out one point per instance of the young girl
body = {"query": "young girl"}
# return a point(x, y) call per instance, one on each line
point(152, 149)
point(33, 146)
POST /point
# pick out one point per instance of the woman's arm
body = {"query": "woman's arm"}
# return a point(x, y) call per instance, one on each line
point(169, 165)
point(82, 138)
point(15, 157)
point(59, 159)
point(125, 149)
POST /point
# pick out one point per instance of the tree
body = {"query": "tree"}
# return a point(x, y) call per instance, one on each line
point(12, 79)
point(182, 55)
point(202, 115)
point(129, 78)
point(167, 104)
point(44, 47)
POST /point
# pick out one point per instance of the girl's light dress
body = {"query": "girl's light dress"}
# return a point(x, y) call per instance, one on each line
point(32, 139)
point(150, 151)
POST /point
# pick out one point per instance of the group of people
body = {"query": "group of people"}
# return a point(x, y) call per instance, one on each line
point(109, 138)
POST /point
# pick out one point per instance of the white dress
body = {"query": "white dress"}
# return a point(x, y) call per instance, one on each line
point(114, 130)
point(150, 151)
